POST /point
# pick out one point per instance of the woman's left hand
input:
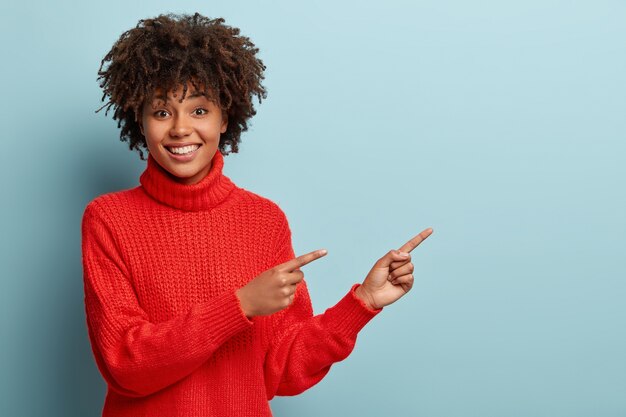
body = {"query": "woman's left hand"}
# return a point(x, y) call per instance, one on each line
point(391, 277)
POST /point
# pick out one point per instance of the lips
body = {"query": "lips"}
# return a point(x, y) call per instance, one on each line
point(180, 145)
point(190, 152)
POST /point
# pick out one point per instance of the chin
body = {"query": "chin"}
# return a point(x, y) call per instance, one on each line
point(185, 173)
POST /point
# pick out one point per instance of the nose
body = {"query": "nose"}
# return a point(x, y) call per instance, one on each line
point(181, 127)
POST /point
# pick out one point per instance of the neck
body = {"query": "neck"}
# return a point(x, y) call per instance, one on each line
point(205, 194)
point(193, 179)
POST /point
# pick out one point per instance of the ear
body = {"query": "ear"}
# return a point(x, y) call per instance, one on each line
point(224, 123)
point(140, 122)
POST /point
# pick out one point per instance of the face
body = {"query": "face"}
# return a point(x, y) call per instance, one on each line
point(182, 137)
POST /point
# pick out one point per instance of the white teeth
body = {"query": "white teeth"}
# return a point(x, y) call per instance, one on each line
point(184, 149)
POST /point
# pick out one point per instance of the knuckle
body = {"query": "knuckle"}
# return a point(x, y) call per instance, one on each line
point(411, 267)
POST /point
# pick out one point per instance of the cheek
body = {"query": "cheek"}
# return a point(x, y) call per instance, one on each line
point(152, 132)
point(209, 131)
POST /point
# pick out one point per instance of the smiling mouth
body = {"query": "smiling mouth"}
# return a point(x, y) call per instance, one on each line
point(182, 150)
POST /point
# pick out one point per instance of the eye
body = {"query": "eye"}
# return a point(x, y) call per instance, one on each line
point(160, 114)
point(200, 111)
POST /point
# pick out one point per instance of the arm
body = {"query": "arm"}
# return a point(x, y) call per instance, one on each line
point(135, 356)
point(303, 347)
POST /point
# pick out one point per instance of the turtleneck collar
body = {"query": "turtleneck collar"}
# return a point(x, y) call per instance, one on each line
point(204, 195)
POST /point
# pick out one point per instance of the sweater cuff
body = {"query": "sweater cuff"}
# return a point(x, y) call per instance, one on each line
point(224, 317)
point(350, 314)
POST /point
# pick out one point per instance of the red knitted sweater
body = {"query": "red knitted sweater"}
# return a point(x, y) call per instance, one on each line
point(161, 263)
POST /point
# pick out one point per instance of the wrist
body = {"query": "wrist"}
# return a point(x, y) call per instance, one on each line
point(364, 296)
point(242, 303)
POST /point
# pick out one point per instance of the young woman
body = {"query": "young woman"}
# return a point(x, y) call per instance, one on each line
point(195, 301)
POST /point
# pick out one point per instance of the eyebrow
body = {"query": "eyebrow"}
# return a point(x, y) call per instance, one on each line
point(189, 96)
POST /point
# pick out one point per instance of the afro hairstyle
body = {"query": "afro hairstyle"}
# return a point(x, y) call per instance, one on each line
point(173, 50)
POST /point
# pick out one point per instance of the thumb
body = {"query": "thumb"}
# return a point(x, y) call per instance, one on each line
point(391, 256)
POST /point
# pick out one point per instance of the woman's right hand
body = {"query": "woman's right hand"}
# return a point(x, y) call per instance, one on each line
point(274, 289)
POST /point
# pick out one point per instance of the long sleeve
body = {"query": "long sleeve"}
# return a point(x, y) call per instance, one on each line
point(135, 356)
point(303, 347)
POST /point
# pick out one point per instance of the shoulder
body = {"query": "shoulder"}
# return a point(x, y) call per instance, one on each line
point(111, 204)
point(264, 206)
point(276, 221)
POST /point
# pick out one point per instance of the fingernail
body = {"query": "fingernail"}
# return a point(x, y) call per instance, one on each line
point(323, 251)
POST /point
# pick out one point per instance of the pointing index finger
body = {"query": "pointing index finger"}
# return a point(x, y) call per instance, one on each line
point(301, 260)
point(414, 242)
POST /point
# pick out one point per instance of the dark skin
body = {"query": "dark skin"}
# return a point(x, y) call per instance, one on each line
point(390, 278)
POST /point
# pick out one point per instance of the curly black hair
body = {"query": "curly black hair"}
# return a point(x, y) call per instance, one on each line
point(172, 50)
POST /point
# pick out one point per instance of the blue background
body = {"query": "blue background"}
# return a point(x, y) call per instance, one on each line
point(499, 124)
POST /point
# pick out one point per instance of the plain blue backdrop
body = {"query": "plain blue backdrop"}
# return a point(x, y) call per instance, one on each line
point(500, 124)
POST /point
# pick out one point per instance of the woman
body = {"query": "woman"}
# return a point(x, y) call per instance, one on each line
point(195, 301)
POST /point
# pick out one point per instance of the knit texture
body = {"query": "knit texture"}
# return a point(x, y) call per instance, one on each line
point(161, 265)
